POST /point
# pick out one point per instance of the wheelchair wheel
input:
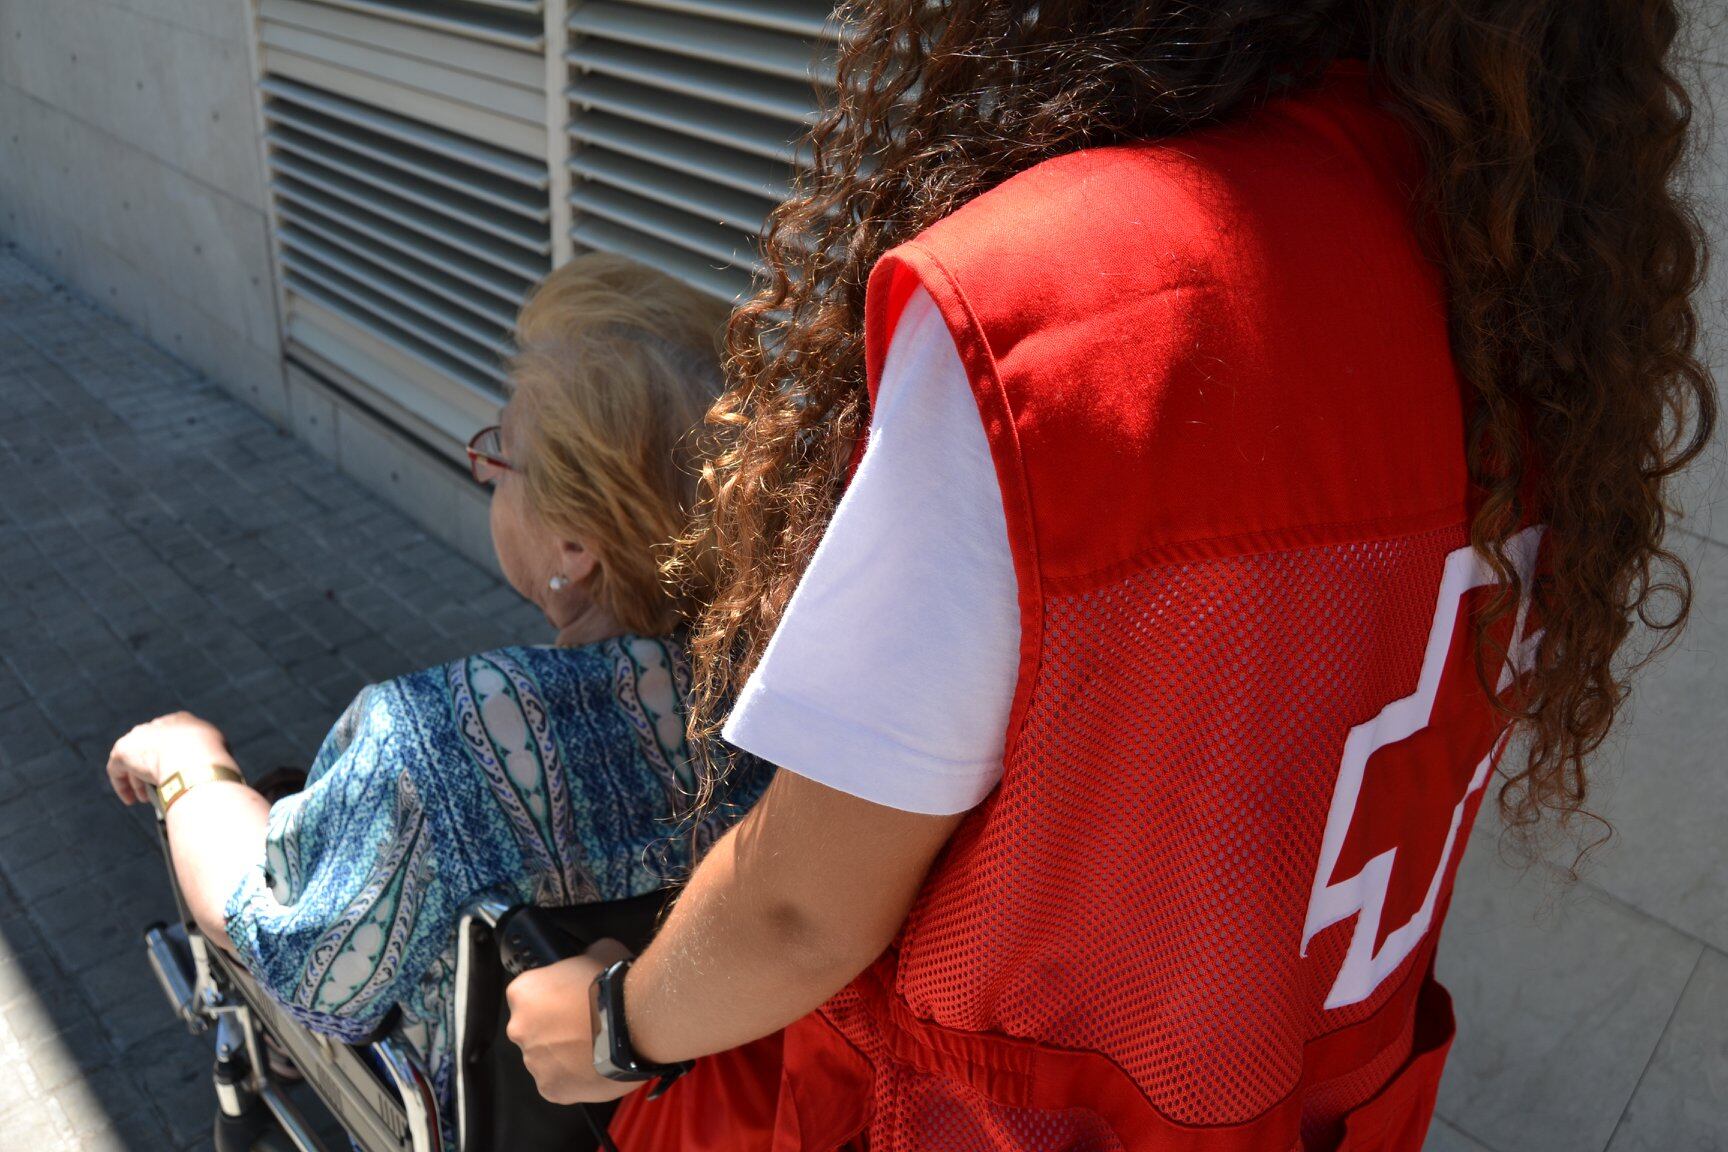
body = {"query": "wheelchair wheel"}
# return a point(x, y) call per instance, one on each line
point(251, 1131)
point(255, 1132)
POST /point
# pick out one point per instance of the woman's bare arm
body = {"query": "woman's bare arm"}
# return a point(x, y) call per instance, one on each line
point(216, 835)
point(784, 911)
point(215, 830)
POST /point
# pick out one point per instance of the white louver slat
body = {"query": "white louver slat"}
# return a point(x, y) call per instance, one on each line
point(513, 62)
point(741, 131)
point(678, 190)
point(728, 167)
point(676, 260)
point(465, 66)
point(406, 144)
point(504, 243)
point(717, 242)
point(687, 121)
point(343, 175)
point(373, 124)
point(502, 99)
point(441, 279)
point(767, 96)
point(753, 51)
point(468, 339)
point(793, 17)
point(312, 159)
point(508, 24)
point(298, 200)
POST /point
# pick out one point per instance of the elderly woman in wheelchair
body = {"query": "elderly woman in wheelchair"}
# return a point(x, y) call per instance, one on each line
point(365, 908)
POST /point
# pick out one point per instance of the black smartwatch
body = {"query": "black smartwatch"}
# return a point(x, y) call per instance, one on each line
point(614, 1058)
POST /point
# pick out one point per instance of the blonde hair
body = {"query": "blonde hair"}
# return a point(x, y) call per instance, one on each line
point(616, 365)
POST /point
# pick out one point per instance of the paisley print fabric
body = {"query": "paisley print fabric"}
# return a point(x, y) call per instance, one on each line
point(551, 775)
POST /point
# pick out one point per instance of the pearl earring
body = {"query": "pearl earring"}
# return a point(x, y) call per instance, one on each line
point(558, 583)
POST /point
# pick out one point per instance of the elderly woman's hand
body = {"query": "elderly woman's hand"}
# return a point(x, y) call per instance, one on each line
point(142, 758)
point(551, 1023)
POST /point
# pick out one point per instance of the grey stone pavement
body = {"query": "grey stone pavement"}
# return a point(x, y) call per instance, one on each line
point(161, 546)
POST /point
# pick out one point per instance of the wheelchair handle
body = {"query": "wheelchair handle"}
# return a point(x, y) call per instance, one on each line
point(527, 938)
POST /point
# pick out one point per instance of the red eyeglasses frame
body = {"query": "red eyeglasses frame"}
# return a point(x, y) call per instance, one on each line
point(478, 455)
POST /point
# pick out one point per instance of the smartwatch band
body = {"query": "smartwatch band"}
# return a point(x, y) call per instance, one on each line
point(614, 1056)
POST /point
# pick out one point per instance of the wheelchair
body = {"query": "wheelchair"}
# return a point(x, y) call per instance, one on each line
point(378, 1091)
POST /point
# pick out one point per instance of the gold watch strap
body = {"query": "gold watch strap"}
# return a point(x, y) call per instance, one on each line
point(187, 779)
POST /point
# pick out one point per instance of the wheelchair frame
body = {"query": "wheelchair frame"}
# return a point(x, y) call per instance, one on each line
point(210, 990)
point(379, 1090)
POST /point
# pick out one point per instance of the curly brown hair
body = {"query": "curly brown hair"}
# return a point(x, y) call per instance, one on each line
point(1554, 133)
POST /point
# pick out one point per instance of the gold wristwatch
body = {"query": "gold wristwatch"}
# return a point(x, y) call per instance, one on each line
point(187, 779)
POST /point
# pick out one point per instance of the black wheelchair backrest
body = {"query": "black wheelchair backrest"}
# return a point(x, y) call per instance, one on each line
point(498, 1107)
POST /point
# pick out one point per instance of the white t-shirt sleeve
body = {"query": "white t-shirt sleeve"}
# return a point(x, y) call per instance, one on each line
point(893, 670)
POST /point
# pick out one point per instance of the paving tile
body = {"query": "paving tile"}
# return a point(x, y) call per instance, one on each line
point(133, 1132)
point(1664, 789)
point(25, 733)
point(375, 658)
point(271, 750)
point(36, 1129)
point(163, 548)
point(20, 813)
point(93, 1102)
point(1443, 1137)
point(119, 979)
point(78, 711)
point(1681, 1104)
point(174, 1070)
point(292, 646)
point(28, 845)
point(20, 1105)
point(32, 1018)
point(1561, 995)
point(332, 623)
point(66, 1056)
point(138, 1024)
point(48, 876)
point(116, 934)
point(185, 567)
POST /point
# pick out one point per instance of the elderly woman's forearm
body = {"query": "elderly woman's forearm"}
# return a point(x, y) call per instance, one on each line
point(215, 835)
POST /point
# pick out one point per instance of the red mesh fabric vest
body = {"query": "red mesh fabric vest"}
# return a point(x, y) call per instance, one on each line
point(1248, 738)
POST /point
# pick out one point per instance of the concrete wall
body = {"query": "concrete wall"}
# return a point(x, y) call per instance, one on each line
point(440, 497)
point(130, 168)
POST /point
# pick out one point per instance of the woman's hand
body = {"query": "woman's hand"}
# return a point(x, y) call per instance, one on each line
point(550, 1021)
point(145, 756)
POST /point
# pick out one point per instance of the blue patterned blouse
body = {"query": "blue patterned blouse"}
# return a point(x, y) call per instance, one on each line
point(550, 775)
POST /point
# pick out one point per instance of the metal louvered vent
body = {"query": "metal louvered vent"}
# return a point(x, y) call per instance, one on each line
point(407, 155)
point(686, 123)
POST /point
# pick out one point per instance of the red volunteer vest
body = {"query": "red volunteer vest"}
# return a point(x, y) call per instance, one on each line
point(1248, 738)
